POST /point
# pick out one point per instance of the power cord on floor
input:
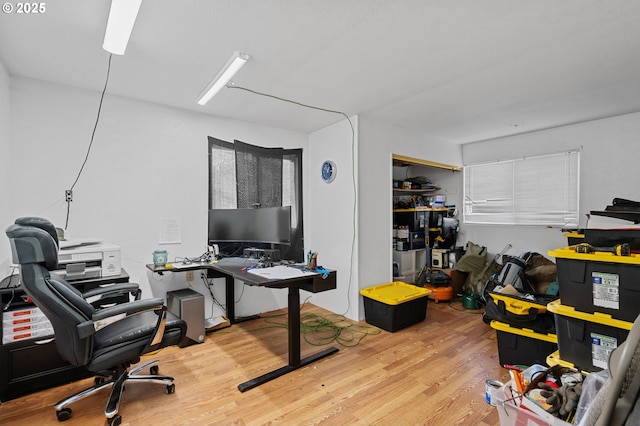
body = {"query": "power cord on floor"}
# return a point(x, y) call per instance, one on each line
point(319, 329)
point(453, 304)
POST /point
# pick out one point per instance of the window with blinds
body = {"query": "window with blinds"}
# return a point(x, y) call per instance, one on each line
point(541, 190)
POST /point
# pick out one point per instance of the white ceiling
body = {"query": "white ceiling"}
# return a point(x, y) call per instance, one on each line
point(458, 70)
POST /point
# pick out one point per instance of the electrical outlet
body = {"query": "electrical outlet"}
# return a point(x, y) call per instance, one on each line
point(68, 195)
point(189, 275)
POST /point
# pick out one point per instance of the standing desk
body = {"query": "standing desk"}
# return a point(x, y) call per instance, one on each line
point(312, 283)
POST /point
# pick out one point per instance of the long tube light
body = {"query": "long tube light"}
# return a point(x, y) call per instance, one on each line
point(227, 72)
point(122, 16)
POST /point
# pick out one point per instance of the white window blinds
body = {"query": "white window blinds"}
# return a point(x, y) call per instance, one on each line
point(540, 190)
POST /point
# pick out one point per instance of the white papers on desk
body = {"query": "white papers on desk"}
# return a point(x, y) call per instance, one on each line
point(280, 272)
point(191, 265)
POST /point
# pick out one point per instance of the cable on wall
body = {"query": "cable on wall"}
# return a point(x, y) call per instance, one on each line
point(69, 192)
point(232, 85)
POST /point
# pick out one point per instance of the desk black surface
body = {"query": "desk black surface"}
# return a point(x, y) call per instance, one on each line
point(314, 283)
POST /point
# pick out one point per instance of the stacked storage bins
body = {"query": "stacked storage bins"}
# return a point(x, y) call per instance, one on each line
point(525, 329)
point(599, 300)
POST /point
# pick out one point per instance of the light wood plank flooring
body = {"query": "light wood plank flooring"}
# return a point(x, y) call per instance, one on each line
point(432, 373)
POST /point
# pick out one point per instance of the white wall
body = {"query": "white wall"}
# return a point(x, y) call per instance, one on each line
point(5, 147)
point(330, 220)
point(378, 141)
point(150, 161)
point(147, 162)
point(608, 168)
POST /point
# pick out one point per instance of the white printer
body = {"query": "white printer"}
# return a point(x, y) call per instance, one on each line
point(88, 260)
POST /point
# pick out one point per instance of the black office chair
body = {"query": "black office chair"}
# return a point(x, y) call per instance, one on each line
point(105, 341)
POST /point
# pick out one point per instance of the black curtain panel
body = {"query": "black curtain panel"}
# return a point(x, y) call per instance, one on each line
point(258, 176)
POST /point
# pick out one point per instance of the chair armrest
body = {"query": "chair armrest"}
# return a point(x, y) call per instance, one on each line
point(112, 314)
point(132, 288)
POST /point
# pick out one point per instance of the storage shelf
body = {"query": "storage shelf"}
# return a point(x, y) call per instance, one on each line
point(401, 191)
point(421, 209)
point(410, 262)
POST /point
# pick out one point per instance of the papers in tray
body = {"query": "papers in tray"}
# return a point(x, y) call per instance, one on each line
point(78, 242)
point(280, 272)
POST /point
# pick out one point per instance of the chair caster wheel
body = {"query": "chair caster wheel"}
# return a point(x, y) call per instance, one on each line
point(171, 388)
point(64, 414)
point(154, 370)
point(115, 420)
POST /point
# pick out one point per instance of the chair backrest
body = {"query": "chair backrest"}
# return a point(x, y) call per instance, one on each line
point(34, 246)
point(624, 375)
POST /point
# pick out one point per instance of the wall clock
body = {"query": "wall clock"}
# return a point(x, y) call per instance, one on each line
point(328, 171)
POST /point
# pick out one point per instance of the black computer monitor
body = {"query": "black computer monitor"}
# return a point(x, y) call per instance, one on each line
point(271, 225)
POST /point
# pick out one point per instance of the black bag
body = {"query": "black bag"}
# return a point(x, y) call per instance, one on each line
point(437, 279)
point(528, 314)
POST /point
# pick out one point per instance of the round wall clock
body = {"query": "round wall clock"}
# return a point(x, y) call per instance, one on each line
point(328, 171)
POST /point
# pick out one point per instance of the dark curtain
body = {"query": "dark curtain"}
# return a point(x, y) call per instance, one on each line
point(293, 187)
point(258, 176)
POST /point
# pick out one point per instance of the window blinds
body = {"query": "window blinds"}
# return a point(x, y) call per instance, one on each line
point(541, 190)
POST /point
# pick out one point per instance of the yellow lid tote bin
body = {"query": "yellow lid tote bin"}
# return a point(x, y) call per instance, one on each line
point(394, 306)
point(586, 340)
point(523, 346)
point(600, 281)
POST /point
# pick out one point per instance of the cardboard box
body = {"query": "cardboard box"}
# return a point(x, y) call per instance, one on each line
point(417, 240)
point(458, 279)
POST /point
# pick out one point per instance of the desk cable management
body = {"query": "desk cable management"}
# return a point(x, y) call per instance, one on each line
point(208, 284)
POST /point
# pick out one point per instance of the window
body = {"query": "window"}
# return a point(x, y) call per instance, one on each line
point(540, 190)
point(270, 177)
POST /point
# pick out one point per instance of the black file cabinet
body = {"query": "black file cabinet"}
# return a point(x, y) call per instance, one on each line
point(32, 364)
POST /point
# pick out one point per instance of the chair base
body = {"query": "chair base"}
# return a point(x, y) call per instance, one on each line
point(115, 381)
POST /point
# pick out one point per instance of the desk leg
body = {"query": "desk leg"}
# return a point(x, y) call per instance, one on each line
point(294, 327)
point(229, 282)
point(294, 346)
point(230, 296)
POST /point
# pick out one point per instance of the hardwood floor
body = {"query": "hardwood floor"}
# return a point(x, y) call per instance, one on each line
point(432, 373)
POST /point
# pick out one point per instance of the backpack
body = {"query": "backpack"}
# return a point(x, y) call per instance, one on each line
point(512, 272)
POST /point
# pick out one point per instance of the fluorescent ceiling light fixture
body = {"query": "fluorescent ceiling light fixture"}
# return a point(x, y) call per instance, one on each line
point(227, 72)
point(122, 16)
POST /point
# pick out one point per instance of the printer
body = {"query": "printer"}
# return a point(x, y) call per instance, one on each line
point(88, 260)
